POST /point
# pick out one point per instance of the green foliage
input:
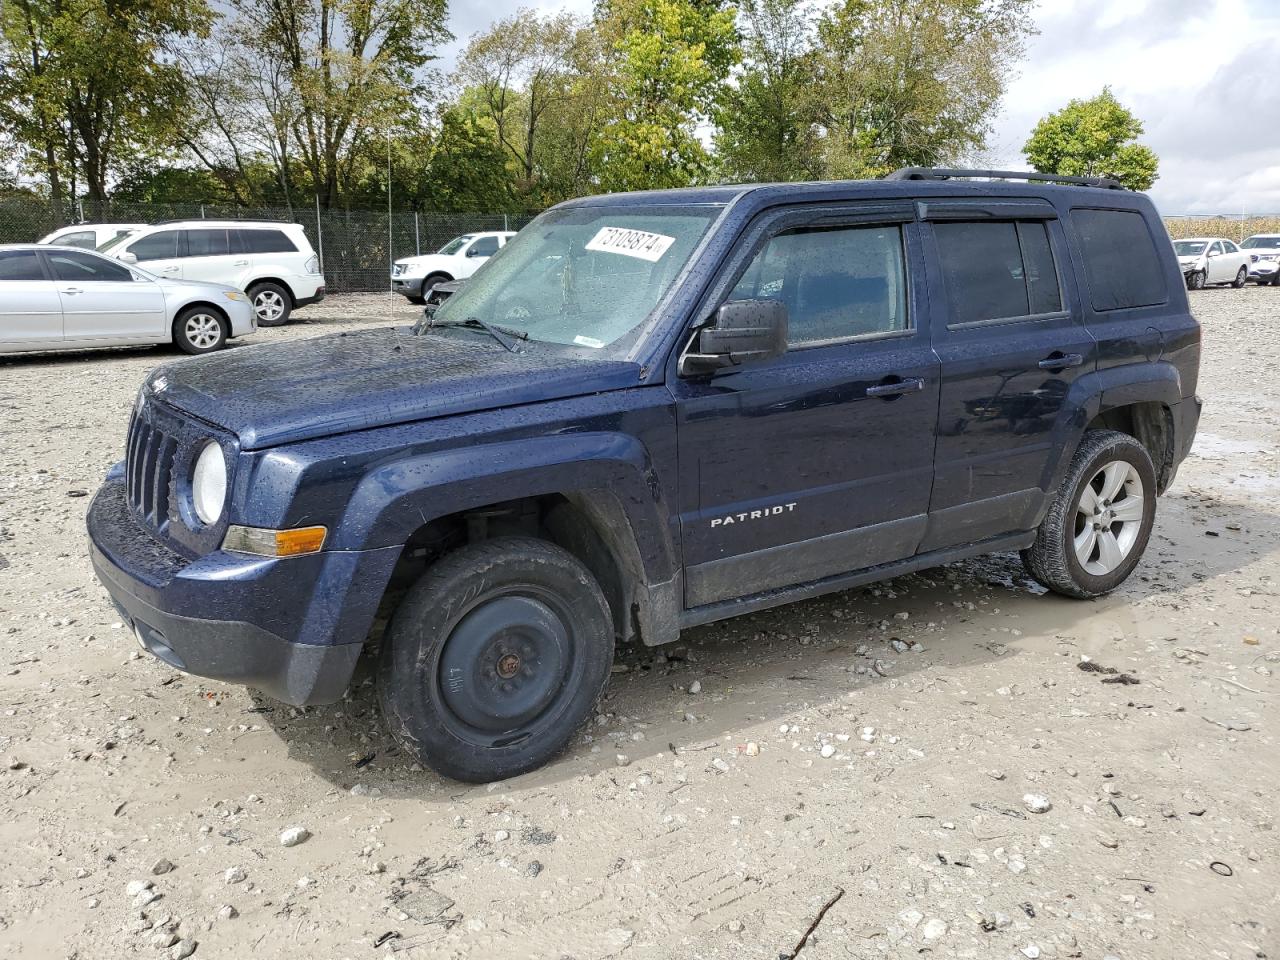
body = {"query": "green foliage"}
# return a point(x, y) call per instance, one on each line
point(674, 57)
point(467, 172)
point(1094, 138)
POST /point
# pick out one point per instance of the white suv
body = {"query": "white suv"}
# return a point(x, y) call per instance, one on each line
point(457, 260)
point(272, 262)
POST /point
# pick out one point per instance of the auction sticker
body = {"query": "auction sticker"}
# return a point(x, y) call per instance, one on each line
point(631, 243)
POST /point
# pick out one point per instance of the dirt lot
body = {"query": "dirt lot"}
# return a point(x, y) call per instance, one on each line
point(722, 830)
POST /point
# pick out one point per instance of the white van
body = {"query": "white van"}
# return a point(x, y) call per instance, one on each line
point(272, 262)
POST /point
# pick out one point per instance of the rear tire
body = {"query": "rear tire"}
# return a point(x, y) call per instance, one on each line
point(1100, 520)
point(1242, 277)
point(495, 658)
point(272, 304)
point(198, 330)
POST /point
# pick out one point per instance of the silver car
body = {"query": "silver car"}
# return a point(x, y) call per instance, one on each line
point(68, 298)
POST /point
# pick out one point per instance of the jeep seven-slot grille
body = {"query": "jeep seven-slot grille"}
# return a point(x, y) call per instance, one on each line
point(148, 465)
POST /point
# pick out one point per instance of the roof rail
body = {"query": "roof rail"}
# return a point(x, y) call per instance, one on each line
point(942, 173)
point(161, 223)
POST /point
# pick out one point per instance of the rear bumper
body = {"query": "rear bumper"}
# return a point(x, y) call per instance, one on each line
point(307, 301)
point(1186, 420)
point(290, 628)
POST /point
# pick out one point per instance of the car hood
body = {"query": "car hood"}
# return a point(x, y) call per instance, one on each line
point(286, 392)
point(428, 261)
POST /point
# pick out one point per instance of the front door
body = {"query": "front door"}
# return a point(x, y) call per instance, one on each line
point(103, 300)
point(818, 462)
point(1012, 342)
point(160, 253)
point(30, 311)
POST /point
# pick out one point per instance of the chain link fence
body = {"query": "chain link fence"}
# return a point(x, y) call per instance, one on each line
point(356, 247)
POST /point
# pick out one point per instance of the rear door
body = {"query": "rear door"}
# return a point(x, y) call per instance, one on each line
point(102, 299)
point(215, 255)
point(818, 462)
point(30, 311)
point(1012, 341)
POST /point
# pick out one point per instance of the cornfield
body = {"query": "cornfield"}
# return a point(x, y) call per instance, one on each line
point(1233, 228)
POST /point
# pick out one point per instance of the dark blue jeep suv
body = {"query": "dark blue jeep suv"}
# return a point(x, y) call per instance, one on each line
point(651, 411)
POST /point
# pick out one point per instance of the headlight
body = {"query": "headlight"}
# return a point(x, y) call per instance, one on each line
point(209, 483)
point(233, 294)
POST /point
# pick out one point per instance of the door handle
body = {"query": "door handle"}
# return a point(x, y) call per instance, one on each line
point(71, 291)
point(241, 263)
point(896, 388)
point(1061, 361)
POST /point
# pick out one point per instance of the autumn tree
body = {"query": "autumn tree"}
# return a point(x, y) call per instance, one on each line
point(1094, 138)
point(673, 58)
point(911, 82)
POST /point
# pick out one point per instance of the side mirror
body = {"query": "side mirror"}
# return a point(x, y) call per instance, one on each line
point(473, 252)
point(743, 331)
point(128, 257)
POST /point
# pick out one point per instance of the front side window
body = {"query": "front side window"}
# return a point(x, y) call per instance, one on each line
point(484, 247)
point(20, 265)
point(1121, 263)
point(997, 270)
point(207, 243)
point(86, 268)
point(836, 282)
point(1230, 247)
point(1215, 250)
point(158, 246)
point(583, 276)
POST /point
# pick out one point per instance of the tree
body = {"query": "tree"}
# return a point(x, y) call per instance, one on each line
point(353, 68)
point(96, 80)
point(467, 172)
point(521, 73)
point(765, 132)
point(1093, 138)
point(674, 57)
point(911, 82)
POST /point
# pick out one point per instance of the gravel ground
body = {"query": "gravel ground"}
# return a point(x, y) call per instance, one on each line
point(780, 773)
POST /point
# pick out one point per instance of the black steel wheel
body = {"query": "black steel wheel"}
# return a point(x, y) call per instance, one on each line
point(495, 658)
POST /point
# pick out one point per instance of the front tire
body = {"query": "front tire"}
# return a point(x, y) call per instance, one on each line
point(1242, 277)
point(495, 658)
point(1100, 520)
point(1196, 281)
point(272, 304)
point(199, 330)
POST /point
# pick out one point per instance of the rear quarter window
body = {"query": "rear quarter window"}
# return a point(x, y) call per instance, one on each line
point(1121, 264)
point(267, 241)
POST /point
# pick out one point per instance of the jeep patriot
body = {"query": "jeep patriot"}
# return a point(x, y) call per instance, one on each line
point(651, 411)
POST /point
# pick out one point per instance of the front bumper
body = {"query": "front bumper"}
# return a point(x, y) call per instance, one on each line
point(291, 628)
point(407, 286)
point(1264, 271)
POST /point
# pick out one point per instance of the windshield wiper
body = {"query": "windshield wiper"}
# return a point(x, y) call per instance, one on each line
point(504, 335)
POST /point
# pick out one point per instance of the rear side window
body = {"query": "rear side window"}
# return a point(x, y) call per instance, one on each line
point(1120, 259)
point(207, 243)
point(836, 282)
point(157, 246)
point(20, 265)
point(267, 241)
point(997, 270)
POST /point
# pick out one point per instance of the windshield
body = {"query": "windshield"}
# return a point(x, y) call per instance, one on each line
point(584, 276)
point(456, 244)
point(1262, 243)
point(1190, 248)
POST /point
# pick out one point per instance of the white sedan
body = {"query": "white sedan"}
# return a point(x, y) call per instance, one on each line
point(68, 298)
point(458, 259)
point(1208, 260)
point(90, 235)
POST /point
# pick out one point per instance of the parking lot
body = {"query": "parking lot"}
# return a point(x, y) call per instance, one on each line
point(698, 816)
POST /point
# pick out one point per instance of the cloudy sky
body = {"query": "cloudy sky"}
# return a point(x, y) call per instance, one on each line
point(1204, 75)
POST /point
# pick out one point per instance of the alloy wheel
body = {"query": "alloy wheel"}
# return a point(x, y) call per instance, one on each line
point(1109, 518)
point(268, 305)
point(202, 330)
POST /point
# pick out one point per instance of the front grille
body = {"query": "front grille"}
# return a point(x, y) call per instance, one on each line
point(148, 468)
